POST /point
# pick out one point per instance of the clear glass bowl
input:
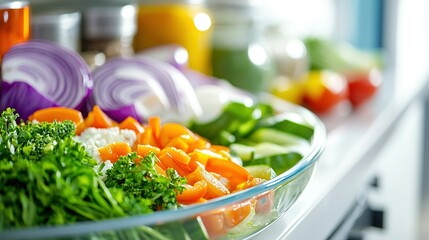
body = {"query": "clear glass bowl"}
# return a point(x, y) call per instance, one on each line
point(268, 202)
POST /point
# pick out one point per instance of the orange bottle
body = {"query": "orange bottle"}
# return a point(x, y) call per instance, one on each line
point(14, 24)
point(186, 23)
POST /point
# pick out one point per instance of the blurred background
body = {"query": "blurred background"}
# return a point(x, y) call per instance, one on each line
point(318, 53)
point(338, 58)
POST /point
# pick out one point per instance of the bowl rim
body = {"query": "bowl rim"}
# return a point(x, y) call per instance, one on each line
point(86, 227)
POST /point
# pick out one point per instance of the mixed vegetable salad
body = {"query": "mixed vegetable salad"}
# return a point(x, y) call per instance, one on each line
point(133, 137)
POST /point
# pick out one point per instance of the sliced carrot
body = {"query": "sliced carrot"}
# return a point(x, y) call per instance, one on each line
point(236, 213)
point(88, 121)
point(201, 200)
point(155, 125)
point(101, 120)
point(106, 153)
point(146, 138)
point(214, 187)
point(177, 154)
point(192, 194)
point(235, 173)
point(251, 182)
point(160, 170)
point(264, 201)
point(113, 151)
point(180, 142)
point(98, 119)
point(170, 131)
point(198, 143)
point(219, 148)
point(215, 224)
point(225, 181)
point(58, 114)
point(194, 160)
point(131, 124)
point(143, 150)
point(169, 162)
point(203, 155)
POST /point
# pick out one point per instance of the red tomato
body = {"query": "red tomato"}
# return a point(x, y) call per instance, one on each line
point(363, 86)
point(324, 90)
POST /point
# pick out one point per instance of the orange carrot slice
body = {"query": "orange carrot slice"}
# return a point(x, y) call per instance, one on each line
point(159, 169)
point(58, 114)
point(169, 162)
point(113, 151)
point(214, 187)
point(170, 131)
point(131, 124)
point(180, 142)
point(194, 193)
point(235, 173)
point(238, 212)
point(177, 154)
point(146, 138)
point(98, 119)
point(143, 150)
point(155, 125)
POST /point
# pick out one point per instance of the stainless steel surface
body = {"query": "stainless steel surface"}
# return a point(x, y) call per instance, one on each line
point(344, 170)
point(57, 26)
point(109, 22)
point(356, 138)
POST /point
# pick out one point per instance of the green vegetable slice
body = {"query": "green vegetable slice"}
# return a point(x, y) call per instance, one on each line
point(280, 163)
point(244, 152)
point(277, 137)
point(288, 123)
point(261, 171)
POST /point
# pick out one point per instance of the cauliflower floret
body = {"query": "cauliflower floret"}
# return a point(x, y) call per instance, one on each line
point(94, 138)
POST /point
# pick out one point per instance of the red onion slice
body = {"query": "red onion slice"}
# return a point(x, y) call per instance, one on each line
point(58, 74)
point(23, 98)
point(123, 88)
point(150, 86)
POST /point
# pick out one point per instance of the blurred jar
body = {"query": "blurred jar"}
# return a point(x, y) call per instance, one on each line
point(183, 22)
point(239, 54)
point(62, 27)
point(14, 24)
point(289, 55)
point(109, 28)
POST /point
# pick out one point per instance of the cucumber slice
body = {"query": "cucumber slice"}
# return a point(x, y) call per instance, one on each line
point(266, 149)
point(276, 136)
point(289, 123)
point(280, 163)
point(261, 171)
point(244, 152)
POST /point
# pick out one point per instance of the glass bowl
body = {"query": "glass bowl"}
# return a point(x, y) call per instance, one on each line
point(254, 208)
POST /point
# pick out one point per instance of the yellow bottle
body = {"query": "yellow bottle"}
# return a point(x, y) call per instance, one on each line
point(185, 23)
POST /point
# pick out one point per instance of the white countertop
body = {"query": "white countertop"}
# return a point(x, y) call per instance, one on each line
point(344, 169)
point(354, 138)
